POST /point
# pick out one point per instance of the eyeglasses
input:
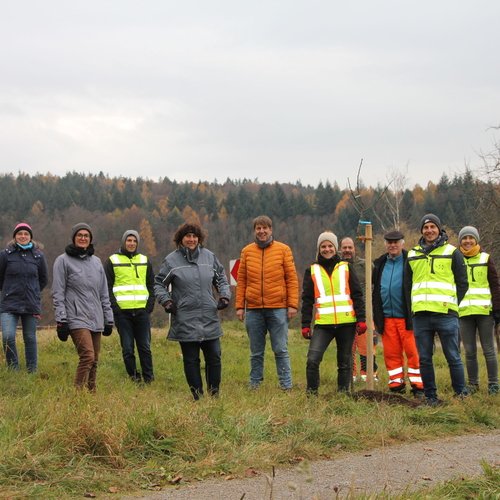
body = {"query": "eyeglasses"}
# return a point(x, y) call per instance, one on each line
point(83, 236)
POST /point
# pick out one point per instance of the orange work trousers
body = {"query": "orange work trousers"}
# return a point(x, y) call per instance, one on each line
point(396, 341)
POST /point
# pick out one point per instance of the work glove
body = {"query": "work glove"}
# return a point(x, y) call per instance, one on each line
point(360, 327)
point(62, 330)
point(170, 307)
point(223, 303)
point(306, 333)
point(496, 317)
point(108, 329)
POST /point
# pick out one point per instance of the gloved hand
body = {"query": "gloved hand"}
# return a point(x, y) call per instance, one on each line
point(223, 303)
point(170, 307)
point(108, 329)
point(496, 317)
point(62, 330)
point(306, 333)
point(361, 327)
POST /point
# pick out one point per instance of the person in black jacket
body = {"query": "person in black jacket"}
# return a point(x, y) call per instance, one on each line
point(392, 316)
point(332, 289)
point(23, 276)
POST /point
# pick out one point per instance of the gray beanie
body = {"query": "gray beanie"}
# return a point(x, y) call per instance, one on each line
point(327, 236)
point(430, 218)
point(468, 231)
point(130, 232)
point(77, 227)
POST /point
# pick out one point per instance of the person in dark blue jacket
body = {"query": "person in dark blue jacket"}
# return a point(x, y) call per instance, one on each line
point(23, 275)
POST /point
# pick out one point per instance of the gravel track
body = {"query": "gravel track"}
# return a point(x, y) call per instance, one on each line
point(392, 470)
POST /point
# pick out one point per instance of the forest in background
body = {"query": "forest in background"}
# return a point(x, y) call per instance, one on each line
point(52, 204)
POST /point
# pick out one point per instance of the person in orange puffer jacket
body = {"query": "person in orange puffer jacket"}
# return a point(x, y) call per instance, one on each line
point(267, 297)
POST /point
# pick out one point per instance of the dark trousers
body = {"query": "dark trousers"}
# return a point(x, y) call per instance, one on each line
point(344, 336)
point(191, 357)
point(88, 345)
point(134, 328)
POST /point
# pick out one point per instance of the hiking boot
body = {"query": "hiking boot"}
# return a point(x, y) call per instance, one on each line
point(473, 388)
point(464, 394)
point(433, 402)
point(418, 394)
point(493, 389)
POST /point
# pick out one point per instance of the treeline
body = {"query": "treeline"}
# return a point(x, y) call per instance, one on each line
point(53, 204)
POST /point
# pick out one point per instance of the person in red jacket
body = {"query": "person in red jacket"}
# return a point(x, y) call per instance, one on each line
point(267, 297)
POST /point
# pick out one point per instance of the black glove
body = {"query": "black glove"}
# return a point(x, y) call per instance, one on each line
point(496, 317)
point(108, 330)
point(62, 330)
point(170, 307)
point(223, 303)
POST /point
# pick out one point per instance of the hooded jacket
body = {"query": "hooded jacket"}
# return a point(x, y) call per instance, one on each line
point(80, 292)
point(23, 276)
point(192, 277)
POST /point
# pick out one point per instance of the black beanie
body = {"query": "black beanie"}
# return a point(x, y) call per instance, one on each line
point(430, 218)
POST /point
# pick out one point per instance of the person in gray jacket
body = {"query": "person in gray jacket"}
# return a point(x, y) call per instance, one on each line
point(81, 302)
point(184, 287)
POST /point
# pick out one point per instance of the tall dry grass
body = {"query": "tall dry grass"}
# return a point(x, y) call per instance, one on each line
point(56, 442)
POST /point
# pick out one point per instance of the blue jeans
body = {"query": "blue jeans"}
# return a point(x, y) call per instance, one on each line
point(9, 325)
point(275, 321)
point(134, 328)
point(446, 326)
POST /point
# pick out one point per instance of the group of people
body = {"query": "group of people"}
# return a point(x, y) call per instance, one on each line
point(432, 289)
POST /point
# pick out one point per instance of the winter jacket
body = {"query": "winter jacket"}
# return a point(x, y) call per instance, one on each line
point(192, 277)
point(308, 296)
point(378, 310)
point(23, 276)
point(80, 292)
point(267, 278)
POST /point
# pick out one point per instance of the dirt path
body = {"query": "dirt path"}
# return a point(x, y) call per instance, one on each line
point(393, 470)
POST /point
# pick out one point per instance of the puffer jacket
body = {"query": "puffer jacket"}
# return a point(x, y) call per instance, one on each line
point(80, 292)
point(23, 275)
point(267, 278)
point(192, 277)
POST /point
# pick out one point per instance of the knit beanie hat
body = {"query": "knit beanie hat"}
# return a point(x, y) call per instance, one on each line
point(327, 236)
point(78, 227)
point(23, 226)
point(430, 218)
point(130, 232)
point(468, 231)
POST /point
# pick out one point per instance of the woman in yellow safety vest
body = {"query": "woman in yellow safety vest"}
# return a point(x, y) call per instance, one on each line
point(332, 290)
point(479, 309)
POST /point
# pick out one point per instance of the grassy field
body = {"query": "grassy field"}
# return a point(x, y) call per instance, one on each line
point(56, 442)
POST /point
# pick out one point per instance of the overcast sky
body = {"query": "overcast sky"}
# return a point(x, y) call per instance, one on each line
point(278, 90)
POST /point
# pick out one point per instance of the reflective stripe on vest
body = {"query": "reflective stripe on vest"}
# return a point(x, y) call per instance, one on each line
point(477, 300)
point(433, 288)
point(129, 288)
point(333, 301)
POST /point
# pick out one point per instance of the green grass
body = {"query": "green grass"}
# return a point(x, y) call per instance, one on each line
point(56, 442)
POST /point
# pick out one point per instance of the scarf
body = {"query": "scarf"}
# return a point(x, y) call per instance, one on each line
point(25, 247)
point(74, 251)
point(471, 252)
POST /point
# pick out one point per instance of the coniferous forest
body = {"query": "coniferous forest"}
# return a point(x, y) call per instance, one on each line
point(51, 205)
